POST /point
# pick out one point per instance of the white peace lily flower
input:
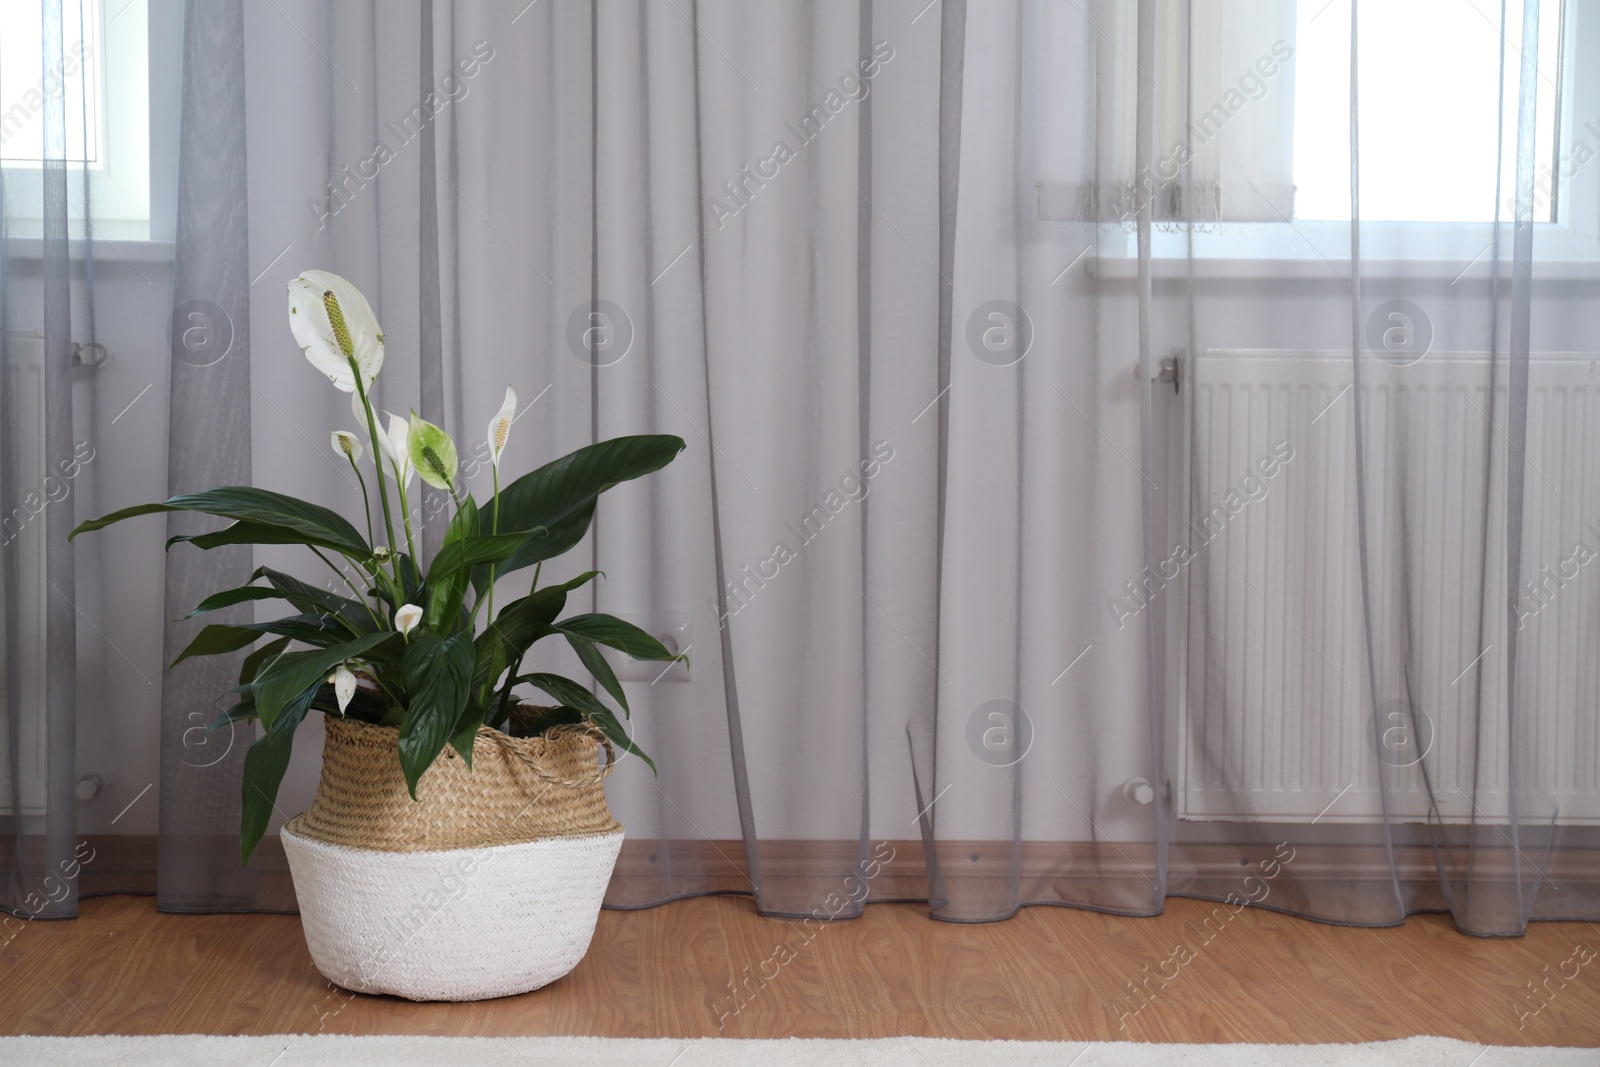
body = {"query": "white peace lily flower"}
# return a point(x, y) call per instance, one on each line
point(397, 448)
point(344, 685)
point(500, 426)
point(333, 322)
point(406, 619)
point(346, 443)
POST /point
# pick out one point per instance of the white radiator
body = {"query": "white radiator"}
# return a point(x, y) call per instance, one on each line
point(1272, 677)
point(22, 533)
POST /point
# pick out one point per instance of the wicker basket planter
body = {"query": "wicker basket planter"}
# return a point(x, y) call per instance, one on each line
point(487, 885)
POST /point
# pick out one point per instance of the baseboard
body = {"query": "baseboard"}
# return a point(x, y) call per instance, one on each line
point(649, 870)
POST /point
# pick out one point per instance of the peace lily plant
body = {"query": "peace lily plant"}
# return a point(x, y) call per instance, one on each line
point(408, 647)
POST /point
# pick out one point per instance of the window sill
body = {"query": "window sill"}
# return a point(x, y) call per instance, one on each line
point(107, 251)
point(1301, 268)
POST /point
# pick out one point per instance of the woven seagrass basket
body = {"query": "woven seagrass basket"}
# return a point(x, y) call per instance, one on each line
point(488, 884)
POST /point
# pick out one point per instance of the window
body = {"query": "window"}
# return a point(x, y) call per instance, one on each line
point(1430, 88)
point(103, 87)
point(1249, 169)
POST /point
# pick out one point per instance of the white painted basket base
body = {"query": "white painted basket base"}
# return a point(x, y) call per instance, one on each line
point(464, 924)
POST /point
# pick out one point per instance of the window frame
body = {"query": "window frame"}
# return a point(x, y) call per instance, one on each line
point(1567, 247)
point(134, 194)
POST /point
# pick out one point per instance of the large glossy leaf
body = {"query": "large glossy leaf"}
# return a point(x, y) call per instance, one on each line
point(518, 625)
point(465, 522)
point(256, 533)
point(312, 599)
point(229, 597)
point(451, 573)
point(461, 555)
point(555, 503)
point(467, 730)
point(287, 677)
point(240, 712)
point(264, 766)
point(437, 672)
point(315, 629)
point(217, 639)
point(623, 636)
point(255, 660)
point(574, 695)
point(312, 522)
point(594, 662)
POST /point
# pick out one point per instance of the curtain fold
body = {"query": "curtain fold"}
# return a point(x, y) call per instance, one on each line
point(1023, 554)
point(40, 857)
point(208, 444)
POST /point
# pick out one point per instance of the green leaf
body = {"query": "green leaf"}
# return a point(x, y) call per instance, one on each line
point(451, 572)
point(518, 625)
point(286, 678)
point(437, 672)
point(464, 523)
point(264, 766)
point(217, 639)
point(555, 503)
point(612, 631)
point(592, 658)
point(463, 554)
point(240, 712)
point(229, 597)
point(252, 662)
point(314, 524)
point(618, 735)
point(467, 731)
point(316, 629)
point(574, 695)
point(311, 598)
point(253, 533)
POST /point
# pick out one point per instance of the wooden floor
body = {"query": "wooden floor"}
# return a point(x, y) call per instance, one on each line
point(1049, 973)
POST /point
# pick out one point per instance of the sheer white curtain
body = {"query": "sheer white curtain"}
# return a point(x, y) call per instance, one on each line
point(920, 547)
point(43, 206)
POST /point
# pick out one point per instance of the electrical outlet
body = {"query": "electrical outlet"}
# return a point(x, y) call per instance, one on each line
point(674, 630)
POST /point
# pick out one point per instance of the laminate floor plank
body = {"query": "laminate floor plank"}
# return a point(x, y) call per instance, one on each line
point(1047, 974)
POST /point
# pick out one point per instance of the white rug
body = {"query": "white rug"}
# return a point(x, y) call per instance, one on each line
point(337, 1051)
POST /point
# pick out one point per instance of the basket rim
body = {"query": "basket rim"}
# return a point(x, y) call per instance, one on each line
point(531, 750)
point(292, 827)
point(376, 734)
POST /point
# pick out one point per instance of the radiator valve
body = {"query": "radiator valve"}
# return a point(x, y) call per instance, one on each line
point(1139, 790)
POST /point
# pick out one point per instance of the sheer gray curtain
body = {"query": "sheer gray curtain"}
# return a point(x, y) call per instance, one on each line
point(208, 444)
point(1388, 635)
point(43, 226)
point(1033, 545)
